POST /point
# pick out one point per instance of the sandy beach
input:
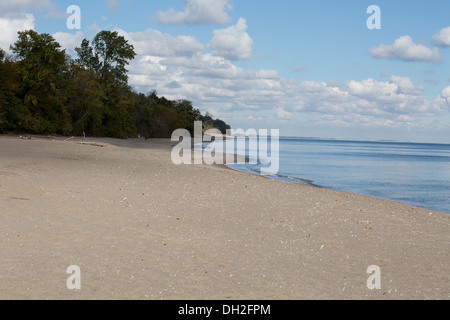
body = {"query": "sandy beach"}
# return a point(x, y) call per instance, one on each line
point(140, 227)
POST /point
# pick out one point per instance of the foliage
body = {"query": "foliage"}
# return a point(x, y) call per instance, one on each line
point(9, 88)
point(43, 91)
point(108, 56)
point(41, 65)
point(210, 123)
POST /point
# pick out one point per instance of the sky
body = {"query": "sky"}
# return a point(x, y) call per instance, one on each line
point(308, 68)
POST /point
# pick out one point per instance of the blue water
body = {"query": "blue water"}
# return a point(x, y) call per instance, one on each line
point(411, 173)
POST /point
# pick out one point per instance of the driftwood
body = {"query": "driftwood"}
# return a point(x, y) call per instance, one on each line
point(16, 198)
point(92, 144)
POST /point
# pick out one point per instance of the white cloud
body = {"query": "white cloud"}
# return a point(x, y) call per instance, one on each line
point(207, 80)
point(10, 26)
point(369, 97)
point(232, 43)
point(405, 86)
point(446, 92)
point(69, 41)
point(10, 8)
point(442, 39)
point(283, 114)
point(443, 101)
point(15, 16)
point(154, 43)
point(19, 6)
point(371, 89)
point(406, 50)
point(181, 67)
point(252, 118)
point(198, 12)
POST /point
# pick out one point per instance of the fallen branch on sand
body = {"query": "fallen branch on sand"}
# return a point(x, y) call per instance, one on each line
point(16, 198)
point(92, 144)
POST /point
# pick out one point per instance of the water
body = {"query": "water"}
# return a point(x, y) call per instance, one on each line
point(411, 173)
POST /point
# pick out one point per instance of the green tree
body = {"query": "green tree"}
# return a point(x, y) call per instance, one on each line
point(85, 102)
point(108, 56)
point(86, 57)
point(43, 91)
point(9, 88)
point(221, 125)
point(41, 63)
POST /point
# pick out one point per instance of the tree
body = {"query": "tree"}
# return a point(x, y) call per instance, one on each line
point(108, 56)
point(43, 91)
point(9, 88)
point(221, 125)
point(41, 64)
point(85, 102)
point(210, 123)
point(86, 57)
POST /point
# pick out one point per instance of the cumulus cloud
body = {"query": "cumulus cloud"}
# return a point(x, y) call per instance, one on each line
point(154, 43)
point(376, 99)
point(443, 101)
point(405, 86)
point(406, 50)
point(283, 114)
point(11, 25)
point(372, 89)
point(19, 6)
point(253, 118)
point(442, 38)
point(9, 9)
point(232, 43)
point(181, 67)
point(198, 12)
point(16, 16)
point(69, 41)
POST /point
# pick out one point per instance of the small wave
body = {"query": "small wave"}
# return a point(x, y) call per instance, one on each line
point(256, 169)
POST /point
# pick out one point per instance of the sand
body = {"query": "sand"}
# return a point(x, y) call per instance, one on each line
point(140, 227)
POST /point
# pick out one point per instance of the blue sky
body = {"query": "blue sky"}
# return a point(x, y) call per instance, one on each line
point(308, 68)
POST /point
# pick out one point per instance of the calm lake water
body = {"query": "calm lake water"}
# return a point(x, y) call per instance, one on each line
point(412, 173)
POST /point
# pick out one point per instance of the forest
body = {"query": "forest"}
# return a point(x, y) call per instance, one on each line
point(43, 91)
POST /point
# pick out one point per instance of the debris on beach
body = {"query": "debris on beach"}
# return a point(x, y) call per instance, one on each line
point(92, 144)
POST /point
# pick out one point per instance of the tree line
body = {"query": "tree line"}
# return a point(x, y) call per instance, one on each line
point(44, 91)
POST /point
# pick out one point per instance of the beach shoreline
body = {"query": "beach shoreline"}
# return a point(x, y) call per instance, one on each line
point(140, 227)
